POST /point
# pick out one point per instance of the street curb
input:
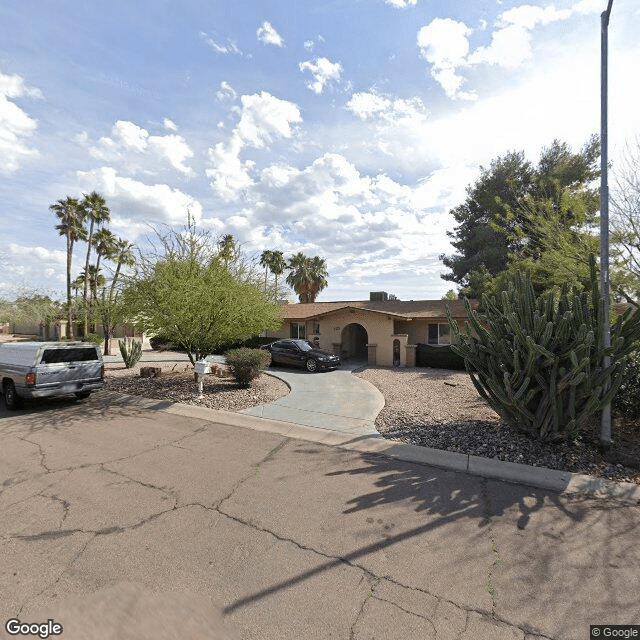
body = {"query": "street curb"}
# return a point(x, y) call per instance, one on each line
point(562, 482)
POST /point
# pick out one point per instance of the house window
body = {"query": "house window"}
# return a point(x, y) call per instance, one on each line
point(316, 328)
point(439, 334)
point(298, 330)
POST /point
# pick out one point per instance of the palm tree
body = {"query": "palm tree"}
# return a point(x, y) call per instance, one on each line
point(71, 216)
point(298, 278)
point(104, 244)
point(227, 249)
point(122, 255)
point(308, 276)
point(96, 211)
point(265, 261)
point(319, 275)
point(277, 265)
point(95, 280)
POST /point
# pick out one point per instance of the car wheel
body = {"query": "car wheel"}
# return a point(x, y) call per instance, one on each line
point(82, 395)
point(11, 400)
point(312, 365)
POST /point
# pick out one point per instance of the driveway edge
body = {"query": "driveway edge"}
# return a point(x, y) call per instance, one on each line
point(563, 482)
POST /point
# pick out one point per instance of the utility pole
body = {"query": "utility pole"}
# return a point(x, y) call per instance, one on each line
point(605, 421)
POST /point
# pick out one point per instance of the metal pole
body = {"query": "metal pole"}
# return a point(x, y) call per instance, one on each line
point(605, 422)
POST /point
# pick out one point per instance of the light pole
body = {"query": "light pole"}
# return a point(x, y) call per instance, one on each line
point(605, 421)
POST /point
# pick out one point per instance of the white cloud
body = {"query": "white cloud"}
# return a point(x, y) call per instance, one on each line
point(140, 202)
point(396, 126)
point(229, 47)
point(16, 126)
point(268, 35)
point(324, 72)
point(169, 125)
point(174, 149)
point(444, 43)
point(402, 4)
point(130, 135)
point(263, 119)
point(225, 92)
point(265, 116)
point(309, 44)
point(509, 48)
point(127, 137)
point(387, 108)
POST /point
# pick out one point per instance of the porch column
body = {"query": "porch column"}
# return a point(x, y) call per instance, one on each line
point(411, 355)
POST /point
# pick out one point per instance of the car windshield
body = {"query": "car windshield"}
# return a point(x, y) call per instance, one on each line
point(304, 345)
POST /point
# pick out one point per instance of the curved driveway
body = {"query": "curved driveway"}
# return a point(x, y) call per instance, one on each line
point(333, 400)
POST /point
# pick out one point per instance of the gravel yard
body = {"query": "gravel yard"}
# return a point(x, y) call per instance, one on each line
point(427, 407)
point(177, 383)
point(442, 409)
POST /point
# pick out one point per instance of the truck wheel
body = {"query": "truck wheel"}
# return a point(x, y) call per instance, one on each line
point(82, 395)
point(11, 399)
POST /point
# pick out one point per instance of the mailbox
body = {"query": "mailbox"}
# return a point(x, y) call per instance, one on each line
point(201, 367)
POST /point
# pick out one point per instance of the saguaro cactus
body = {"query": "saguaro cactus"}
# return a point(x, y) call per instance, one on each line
point(538, 361)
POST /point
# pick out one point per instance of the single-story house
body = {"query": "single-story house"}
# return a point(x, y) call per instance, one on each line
point(382, 331)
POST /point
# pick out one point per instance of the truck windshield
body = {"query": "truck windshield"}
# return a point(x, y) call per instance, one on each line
point(76, 354)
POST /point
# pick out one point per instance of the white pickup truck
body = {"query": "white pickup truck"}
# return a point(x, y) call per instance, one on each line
point(46, 369)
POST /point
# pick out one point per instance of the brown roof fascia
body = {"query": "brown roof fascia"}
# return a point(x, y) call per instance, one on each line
point(350, 307)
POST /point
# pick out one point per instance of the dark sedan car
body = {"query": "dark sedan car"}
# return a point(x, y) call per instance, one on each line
point(300, 353)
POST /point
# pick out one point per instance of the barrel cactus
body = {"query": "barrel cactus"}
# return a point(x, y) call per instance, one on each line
point(538, 361)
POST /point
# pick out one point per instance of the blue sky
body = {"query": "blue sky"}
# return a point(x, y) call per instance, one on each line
point(346, 129)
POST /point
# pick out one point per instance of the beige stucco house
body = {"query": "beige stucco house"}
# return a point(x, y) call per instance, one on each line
point(381, 331)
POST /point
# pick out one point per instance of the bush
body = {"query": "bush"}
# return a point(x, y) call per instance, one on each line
point(131, 351)
point(94, 338)
point(438, 357)
point(538, 361)
point(161, 342)
point(246, 364)
point(626, 402)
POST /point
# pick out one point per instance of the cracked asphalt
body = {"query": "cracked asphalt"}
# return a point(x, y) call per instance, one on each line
point(128, 520)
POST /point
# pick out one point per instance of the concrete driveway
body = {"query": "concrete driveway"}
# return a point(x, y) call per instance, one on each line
point(128, 519)
point(334, 400)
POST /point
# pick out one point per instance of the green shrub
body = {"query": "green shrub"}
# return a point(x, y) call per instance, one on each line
point(538, 361)
point(626, 402)
point(131, 351)
point(162, 343)
point(443, 357)
point(246, 364)
point(94, 338)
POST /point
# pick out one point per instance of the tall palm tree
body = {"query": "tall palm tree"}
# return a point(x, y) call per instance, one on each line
point(71, 216)
point(265, 261)
point(122, 255)
point(227, 249)
point(95, 280)
point(319, 275)
point(104, 244)
point(277, 266)
point(308, 276)
point(96, 212)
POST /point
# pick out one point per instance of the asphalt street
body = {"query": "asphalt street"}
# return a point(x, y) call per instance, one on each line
point(124, 518)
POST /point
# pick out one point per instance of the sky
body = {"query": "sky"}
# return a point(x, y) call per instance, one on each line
point(346, 129)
